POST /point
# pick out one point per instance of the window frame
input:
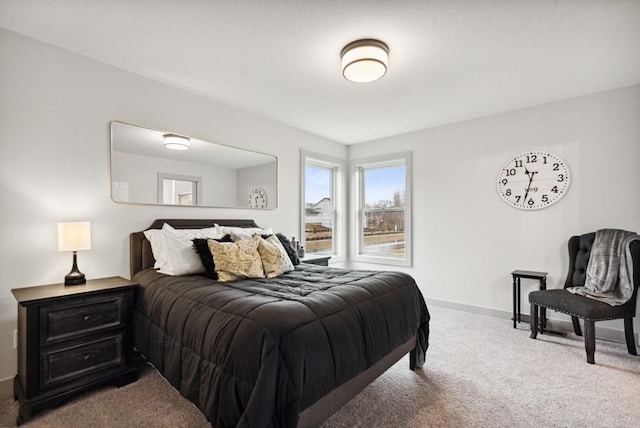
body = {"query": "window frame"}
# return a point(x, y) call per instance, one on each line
point(339, 189)
point(358, 209)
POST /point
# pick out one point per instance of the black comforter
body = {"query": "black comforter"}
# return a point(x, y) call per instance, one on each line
point(257, 352)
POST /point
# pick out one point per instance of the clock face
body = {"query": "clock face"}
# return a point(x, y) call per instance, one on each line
point(533, 180)
point(257, 198)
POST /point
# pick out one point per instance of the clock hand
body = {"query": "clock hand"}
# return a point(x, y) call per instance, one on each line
point(526, 193)
point(530, 174)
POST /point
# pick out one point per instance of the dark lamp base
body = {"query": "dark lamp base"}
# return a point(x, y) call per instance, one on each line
point(75, 277)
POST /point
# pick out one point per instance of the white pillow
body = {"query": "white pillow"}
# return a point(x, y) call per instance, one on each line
point(157, 246)
point(181, 258)
point(238, 233)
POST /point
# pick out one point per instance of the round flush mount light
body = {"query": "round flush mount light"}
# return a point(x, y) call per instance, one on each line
point(364, 60)
point(176, 142)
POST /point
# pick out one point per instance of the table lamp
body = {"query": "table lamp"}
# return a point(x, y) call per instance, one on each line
point(74, 236)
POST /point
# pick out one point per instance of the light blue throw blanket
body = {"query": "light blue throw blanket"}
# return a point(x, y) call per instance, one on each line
point(610, 269)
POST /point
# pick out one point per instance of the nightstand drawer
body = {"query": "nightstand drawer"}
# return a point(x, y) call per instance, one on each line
point(80, 316)
point(62, 365)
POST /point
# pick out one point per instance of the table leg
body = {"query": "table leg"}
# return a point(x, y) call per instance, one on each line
point(518, 286)
point(519, 313)
point(514, 301)
point(543, 310)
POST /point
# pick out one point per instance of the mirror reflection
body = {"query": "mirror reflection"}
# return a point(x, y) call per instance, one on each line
point(150, 166)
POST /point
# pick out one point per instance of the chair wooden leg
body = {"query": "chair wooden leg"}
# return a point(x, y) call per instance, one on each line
point(543, 319)
point(412, 359)
point(533, 321)
point(590, 340)
point(628, 334)
point(576, 326)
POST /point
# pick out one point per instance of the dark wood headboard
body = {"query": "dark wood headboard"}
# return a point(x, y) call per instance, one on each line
point(140, 255)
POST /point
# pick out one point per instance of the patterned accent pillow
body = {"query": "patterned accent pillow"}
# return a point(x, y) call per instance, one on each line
point(201, 246)
point(275, 260)
point(237, 260)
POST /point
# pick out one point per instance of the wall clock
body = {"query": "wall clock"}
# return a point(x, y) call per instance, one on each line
point(257, 198)
point(533, 180)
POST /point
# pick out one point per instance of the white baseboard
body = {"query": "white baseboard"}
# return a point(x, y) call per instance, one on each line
point(553, 324)
point(6, 386)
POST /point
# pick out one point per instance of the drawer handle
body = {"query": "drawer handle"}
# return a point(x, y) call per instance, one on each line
point(86, 318)
point(87, 357)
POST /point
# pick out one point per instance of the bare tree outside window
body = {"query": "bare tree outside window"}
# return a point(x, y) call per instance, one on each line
point(383, 225)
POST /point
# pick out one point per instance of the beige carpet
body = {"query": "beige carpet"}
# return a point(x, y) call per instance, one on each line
point(480, 372)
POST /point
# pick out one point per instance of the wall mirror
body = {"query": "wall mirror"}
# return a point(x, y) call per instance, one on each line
point(146, 170)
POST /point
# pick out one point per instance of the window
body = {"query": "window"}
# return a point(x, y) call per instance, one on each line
point(322, 189)
point(383, 203)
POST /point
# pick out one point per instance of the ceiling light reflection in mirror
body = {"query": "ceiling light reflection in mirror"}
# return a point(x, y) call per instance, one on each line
point(151, 166)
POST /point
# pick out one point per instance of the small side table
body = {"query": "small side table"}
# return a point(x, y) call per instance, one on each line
point(316, 260)
point(528, 274)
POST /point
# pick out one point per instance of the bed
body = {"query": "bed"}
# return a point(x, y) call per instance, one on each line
point(285, 351)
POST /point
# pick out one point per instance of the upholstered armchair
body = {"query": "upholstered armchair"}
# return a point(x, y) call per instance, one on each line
point(578, 306)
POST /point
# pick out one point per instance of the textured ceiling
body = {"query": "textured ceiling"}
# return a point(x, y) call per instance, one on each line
point(449, 60)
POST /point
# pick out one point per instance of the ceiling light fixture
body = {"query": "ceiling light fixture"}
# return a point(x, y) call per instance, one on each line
point(176, 142)
point(364, 60)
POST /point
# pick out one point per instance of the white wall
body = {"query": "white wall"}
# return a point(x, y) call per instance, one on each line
point(55, 109)
point(143, 182)
point(467, 240)
point(258, 176)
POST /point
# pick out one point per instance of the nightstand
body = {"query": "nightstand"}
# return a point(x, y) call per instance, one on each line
point(316, 260)
point(72, 338)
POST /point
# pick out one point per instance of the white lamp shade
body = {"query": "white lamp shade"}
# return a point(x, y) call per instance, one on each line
point(176, 142)
point(74, 236)
point(364, 61)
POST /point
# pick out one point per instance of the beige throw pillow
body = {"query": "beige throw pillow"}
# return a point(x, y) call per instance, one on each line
point(275, 260)
point(237, 260)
